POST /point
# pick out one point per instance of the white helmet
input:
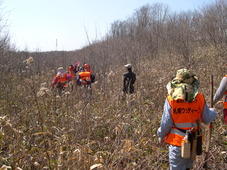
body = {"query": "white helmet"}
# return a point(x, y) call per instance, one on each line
point(60, 68)
point(128, 66)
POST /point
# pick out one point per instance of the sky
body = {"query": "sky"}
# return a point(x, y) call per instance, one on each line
point(49, 25)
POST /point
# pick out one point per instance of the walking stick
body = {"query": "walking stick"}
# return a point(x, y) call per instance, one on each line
point(209, 125)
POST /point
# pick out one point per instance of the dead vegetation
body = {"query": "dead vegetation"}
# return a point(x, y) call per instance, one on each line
point(40, 131)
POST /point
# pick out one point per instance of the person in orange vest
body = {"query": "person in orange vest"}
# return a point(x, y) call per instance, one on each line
point(72, 72)
point(85, 77)
point(183, 107)
point(61, 78)
point(220, 93)
point(87, 68)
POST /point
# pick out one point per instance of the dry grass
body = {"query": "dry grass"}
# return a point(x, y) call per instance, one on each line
point(41, 131)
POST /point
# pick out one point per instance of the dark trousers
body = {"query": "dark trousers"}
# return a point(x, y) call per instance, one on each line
point(129, 89)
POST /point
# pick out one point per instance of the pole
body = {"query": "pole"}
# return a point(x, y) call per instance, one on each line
point(56, 45)
point(209, 125)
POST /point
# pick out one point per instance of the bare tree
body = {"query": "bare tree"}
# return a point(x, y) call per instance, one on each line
point(4, 41)
point(180, 35)
point(214, 25)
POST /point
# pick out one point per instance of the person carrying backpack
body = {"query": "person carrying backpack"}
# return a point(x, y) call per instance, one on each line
point(184, 109)
point(85, 77)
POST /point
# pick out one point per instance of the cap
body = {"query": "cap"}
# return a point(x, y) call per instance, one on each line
point(128, 66)
point(60, 68)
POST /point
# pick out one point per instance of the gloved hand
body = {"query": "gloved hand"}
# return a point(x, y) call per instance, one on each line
point(212, 109)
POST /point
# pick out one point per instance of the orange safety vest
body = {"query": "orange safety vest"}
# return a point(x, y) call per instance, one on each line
point(225, 101)
point(85, 77)
point(184, 117)
point(61, 79)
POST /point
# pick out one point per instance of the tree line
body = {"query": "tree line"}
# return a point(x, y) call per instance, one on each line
point(151, 32)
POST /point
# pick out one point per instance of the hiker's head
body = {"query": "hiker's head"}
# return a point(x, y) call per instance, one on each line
point(86, 66)
point(184, 75)
point(184, 86)
point(81, 69)
point(128, 66)
point(60, 69)
point(70, 67)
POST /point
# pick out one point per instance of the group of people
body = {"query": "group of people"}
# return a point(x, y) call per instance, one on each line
point(184, 109)
point(77, 75)
point(84, 76)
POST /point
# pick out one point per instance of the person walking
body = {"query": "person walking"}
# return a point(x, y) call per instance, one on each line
point(60, 80)
point(129, 79)
point(220, 93)
point(183, 107)
point(85, 78)
point(71, 71)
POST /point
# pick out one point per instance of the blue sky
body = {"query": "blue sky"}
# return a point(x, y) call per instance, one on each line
point(35, 25)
